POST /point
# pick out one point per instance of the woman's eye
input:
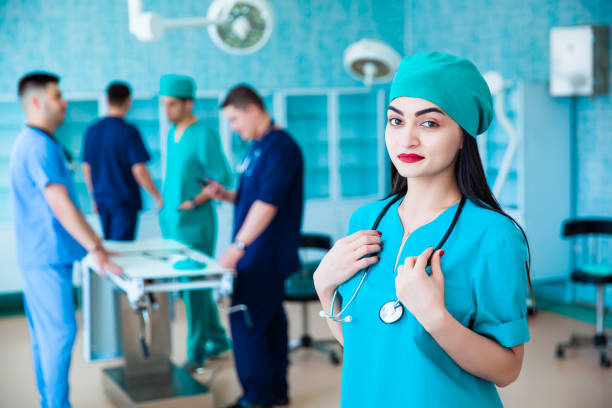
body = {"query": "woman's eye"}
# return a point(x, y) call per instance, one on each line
point(429, 124)
point(395, 121)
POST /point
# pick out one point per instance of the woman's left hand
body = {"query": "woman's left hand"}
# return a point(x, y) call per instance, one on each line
point(422, 294)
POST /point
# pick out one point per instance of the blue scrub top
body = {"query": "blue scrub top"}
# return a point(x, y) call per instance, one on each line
point(111, 147)
point(485, 287)
point(272, 172)
point(37, 160)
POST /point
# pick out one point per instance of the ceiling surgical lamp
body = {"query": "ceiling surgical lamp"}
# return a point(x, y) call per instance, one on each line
point(236, 26)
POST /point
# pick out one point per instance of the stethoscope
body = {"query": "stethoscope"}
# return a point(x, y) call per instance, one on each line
point(391, 311)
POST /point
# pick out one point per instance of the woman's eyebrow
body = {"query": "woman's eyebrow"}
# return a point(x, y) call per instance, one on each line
point(424, 111)
point(396, 110)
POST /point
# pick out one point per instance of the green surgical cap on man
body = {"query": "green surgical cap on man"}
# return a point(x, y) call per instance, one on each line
point(177, 86)
point(452, 83)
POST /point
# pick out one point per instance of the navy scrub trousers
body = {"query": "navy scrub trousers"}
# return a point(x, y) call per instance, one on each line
point(260, 351)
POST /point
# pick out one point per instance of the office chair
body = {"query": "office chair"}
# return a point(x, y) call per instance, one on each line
point(300, 288)
point(591, 271)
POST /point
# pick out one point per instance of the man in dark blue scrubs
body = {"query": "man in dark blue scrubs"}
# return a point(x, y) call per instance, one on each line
point(267, 222)
point(114, 158)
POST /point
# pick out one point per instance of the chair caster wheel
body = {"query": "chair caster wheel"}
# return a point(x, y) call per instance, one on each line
point(560, 353)
point(604, 362)
point(334, 359)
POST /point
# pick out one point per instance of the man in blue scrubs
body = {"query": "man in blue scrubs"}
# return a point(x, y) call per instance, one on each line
point(50, 234)
point(267, 222)
point(114, 166)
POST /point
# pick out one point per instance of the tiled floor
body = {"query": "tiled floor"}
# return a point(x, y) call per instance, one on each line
point(544, 382)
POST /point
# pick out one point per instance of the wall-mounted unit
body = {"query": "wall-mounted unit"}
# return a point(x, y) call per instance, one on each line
point(579, 60)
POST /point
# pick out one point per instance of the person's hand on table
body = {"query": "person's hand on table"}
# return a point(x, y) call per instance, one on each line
point(102, 258)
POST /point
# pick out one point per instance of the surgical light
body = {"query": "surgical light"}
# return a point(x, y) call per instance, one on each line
point(236, 26)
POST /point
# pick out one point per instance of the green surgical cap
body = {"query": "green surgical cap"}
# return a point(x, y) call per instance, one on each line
point(177, 86)
point(452, 83)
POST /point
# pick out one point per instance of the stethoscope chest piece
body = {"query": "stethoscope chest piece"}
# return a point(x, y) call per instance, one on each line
point(391, 312)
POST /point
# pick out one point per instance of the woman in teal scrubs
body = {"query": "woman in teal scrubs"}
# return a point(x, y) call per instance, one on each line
point(464, 317)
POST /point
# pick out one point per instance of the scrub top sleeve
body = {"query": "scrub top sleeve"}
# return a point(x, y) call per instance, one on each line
point(278, 170)
point(500, 288)
point(213, 158)
point(46, 165)
point(136, 150)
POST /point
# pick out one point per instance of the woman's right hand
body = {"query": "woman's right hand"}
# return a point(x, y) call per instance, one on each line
point(348, 256)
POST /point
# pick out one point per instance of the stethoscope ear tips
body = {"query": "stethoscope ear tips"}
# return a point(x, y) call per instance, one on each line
point(322, 313)
point(348, 319)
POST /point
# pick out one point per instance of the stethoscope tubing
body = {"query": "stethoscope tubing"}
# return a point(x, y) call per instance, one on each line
point(337, 316)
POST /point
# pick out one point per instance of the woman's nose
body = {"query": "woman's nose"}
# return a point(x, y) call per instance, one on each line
point(409, 137)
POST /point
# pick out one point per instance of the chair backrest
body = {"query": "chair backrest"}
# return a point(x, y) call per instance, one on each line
point(587, 226)
point(318, 241)
point(299, 286)
point(591, 232)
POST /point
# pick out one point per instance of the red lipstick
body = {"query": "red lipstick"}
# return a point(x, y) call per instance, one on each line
point(410, 158)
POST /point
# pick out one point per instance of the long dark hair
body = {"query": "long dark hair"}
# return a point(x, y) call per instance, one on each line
point(473, 185)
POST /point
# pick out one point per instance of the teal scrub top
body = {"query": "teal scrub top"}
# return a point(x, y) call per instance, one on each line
point(485, 287)
point(196, 156)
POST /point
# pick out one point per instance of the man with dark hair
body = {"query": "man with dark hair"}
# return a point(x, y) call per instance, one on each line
point(114, 165)
point(118, 93)
point(242, 96)
point(50, 234)
point(193, 153)
point(267, 222)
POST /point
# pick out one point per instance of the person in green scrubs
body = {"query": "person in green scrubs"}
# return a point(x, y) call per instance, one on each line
point(188, 215)
point(461, 322)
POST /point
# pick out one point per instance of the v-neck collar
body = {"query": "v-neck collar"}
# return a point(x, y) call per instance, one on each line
point(43, 131)
point(183, 134)
point(447, 214)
